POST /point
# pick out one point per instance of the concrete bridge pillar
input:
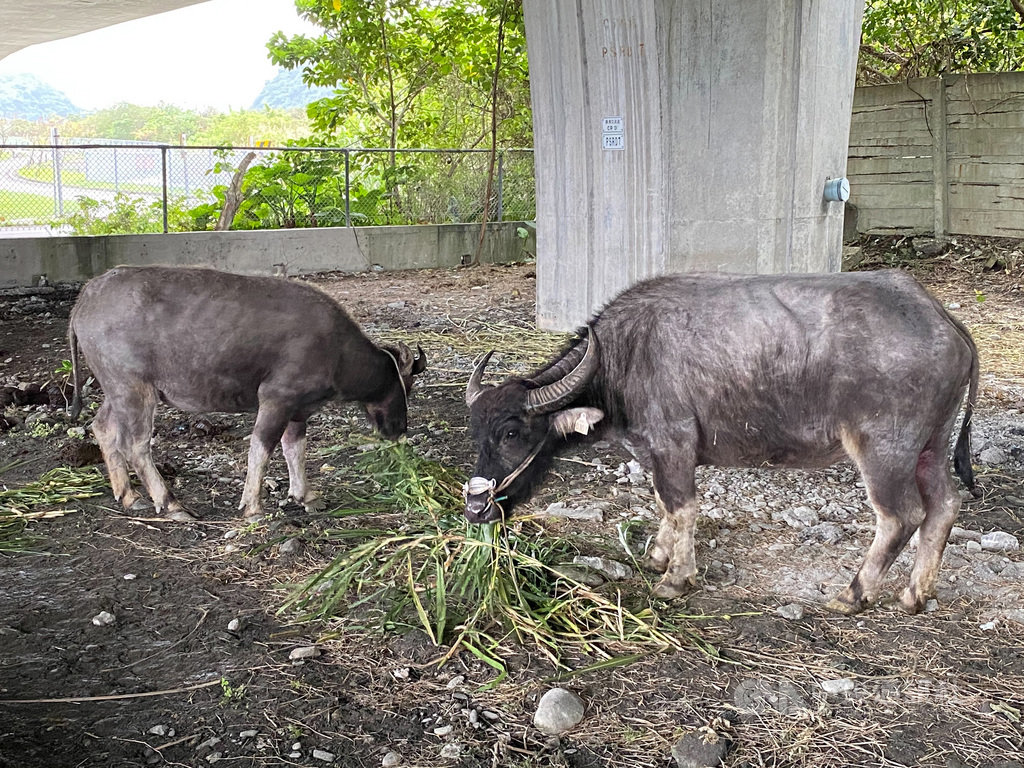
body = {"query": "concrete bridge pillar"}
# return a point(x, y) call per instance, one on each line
point(677, 135)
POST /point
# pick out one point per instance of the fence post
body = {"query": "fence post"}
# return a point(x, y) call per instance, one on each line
point(940, 167)
point(163, 174)
point(499, 214)
point(58, 191)
point(348, 196)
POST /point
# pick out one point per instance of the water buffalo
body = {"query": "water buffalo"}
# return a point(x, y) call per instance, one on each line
point(204, 340)
point(754, 371)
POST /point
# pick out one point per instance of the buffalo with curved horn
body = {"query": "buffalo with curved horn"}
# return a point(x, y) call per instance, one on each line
point(753, 371)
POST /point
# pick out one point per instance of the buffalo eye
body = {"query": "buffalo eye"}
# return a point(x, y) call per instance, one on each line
point(512, 434)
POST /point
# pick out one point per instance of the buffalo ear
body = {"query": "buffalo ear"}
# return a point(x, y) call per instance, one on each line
point(578, 420)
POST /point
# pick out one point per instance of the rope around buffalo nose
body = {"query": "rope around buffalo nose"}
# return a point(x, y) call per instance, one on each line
point(493, 489)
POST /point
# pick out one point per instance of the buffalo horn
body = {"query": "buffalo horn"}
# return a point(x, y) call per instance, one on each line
point(552, 396)
point(420, 363)
point(474, 388)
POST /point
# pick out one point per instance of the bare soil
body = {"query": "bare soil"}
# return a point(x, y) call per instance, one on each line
point(172, 681)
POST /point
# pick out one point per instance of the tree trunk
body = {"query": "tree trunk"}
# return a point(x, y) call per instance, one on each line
point(494, 137)
point(233, 195)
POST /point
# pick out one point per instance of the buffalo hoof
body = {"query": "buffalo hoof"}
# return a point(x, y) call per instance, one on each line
point(667, 590)
point(911, 602)
point(254, 516)
point(179, 515)
point(837, 605)
point(131, 500)
point(140, 504)
point(313, 504)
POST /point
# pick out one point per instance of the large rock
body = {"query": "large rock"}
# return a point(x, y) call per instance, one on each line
point(558, 711)
point(700, 750)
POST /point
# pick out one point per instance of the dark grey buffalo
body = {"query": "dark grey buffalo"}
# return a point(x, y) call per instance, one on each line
point(204, 340)
point(754, 371)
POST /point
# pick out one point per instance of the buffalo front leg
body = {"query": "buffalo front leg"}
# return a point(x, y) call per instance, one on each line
point(674, 552)
point(293, 445)
point(269, 429)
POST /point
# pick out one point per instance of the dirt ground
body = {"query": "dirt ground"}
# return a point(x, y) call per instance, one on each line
point(195, 668)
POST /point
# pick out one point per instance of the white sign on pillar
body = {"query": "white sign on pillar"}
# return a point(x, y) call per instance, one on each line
point(612, 133)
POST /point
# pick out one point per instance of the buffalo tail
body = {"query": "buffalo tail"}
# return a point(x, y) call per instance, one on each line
point(962, 450)
point(76, 400)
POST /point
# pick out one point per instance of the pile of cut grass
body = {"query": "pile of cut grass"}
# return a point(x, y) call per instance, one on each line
point(36, 501)
point(412, 559)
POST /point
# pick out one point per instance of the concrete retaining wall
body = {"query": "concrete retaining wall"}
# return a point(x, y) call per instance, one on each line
point(298, 251)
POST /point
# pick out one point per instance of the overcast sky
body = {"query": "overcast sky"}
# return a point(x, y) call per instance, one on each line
point(208, 55)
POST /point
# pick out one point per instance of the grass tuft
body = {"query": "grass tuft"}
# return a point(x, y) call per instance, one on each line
point(34, 501)
point(412, 559)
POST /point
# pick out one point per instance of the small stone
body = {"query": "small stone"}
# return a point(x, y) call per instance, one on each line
point(999, 541)
point(558, 509)
point(304, 652)
point(158, 730)
point(582, 575)
point(791, 611)
point(992, 455)
point(988, 625)
point(103, 618)
point(129, 577)
point(490, 714)
point(611, 569)
point(826, 533)
point(396, 305)
point(210, 743)
point(558, 711)
point(455, 682)
point(451, 751)
point(959, 534)
point(323, 756)
point(214, 757)
point(973, 546)
point(931, 606)
point(234, 625)
point(800, 517)
point(290, 547)
point(247, 734)
point(443, 730)
point(296, 746)
point(698, 749)
point(391, 760)
point(835, 687)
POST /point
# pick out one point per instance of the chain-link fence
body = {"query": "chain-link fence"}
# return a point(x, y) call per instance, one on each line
point(107, 188)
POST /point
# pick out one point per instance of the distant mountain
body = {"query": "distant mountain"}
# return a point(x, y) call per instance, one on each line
point(287, 91)
point(29, 98)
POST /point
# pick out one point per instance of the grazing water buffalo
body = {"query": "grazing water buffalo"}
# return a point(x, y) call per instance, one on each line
point(754, 371)
point(204, 340)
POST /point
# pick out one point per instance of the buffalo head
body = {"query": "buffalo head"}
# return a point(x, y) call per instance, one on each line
point(516, 424)
point(387, 413)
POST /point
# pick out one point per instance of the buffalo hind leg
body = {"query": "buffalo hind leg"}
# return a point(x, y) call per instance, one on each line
point(271, 422)
point(899, 511)
point(104, 428)
point(139, 409)
point(941, 504)
point(293, 445)
point(673, 553)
